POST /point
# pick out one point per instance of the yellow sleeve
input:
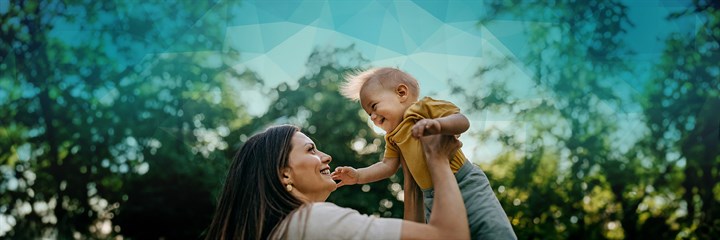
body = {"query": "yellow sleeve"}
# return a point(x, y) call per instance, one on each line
point(431, 108)
point(391, 150)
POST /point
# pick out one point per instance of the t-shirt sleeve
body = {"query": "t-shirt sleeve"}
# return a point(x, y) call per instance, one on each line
point(329, 221)
point(391, 150)
point(433, 108)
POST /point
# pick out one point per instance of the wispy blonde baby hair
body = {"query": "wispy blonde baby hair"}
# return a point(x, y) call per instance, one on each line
point(386, 76)
point(354, 82)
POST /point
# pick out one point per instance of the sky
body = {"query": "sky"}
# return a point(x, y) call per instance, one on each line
point(432, 40)
point(435, 41)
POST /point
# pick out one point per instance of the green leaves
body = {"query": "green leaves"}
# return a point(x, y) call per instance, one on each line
point(608, 167)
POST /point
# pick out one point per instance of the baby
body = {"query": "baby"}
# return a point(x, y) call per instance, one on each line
point(390, 97)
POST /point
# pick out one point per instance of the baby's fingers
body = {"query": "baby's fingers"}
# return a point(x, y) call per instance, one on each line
point(418, 131)
point(433, 127)
point(340, 184)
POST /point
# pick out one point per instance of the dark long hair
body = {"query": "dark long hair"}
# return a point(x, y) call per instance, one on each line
point(254, 200)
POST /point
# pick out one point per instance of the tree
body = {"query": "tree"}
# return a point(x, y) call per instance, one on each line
point(569, 178)
point(664, 185)
point(95, 127)
point(681, 105)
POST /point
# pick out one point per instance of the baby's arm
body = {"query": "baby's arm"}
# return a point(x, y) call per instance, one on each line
point(454, 124)
point(378, 171)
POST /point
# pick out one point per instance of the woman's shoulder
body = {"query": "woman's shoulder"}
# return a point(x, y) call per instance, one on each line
point(323, 205)
point(324, 220)
point(330, 211)
point(328, 206)
point(322, 210)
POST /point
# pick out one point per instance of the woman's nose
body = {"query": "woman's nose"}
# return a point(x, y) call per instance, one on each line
point(326, 158)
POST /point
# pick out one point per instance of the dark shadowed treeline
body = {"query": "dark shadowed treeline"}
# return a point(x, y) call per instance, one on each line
point(110, 125)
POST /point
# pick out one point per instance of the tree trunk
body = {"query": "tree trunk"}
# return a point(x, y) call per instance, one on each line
point(37, 72)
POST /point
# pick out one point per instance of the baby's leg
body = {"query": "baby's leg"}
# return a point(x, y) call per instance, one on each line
point(486, 217)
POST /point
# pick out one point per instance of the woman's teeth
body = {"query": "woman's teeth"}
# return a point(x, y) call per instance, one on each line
point(326, 172)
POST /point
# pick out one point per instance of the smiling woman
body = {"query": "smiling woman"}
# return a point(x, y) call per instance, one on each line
point(278, 182)
point(309, 171)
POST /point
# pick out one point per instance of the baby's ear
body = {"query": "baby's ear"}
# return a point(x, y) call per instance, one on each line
point(402, 91)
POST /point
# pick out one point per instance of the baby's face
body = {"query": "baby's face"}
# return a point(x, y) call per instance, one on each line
point(384, 106)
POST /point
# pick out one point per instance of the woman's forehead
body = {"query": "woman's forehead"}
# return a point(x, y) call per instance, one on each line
point(301, 139)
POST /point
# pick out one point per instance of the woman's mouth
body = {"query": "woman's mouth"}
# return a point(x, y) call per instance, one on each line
point(325, 171)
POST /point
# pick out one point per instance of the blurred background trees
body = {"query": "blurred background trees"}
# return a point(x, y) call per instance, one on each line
point(681, 105)
point(571, 152)
point(96, 118)
point(119, 119)
point(589, 165)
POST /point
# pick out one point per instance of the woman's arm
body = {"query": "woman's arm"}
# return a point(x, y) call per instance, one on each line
point(449, 217)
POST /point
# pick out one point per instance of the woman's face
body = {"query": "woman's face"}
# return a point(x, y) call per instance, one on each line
point(309, 169)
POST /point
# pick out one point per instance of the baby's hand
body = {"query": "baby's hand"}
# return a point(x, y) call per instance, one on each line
point(426, 127)
point(346, 175)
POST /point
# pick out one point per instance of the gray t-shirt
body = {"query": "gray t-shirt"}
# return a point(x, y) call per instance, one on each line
point(324, 220)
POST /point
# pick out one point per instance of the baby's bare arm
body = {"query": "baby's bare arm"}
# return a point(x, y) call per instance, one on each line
point(454, 124)
point(345, 175)
point(378, 171)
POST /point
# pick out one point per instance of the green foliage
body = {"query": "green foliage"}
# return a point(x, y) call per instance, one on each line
point(570, 175)
point(104, 137)
point(681, 106)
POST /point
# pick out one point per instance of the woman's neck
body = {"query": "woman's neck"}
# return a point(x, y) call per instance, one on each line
point(310, 198)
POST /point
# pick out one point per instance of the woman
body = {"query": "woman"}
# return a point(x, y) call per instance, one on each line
point(278, 183)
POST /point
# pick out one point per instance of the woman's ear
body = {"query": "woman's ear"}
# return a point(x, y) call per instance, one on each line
point(286, 177)
point(402, 92)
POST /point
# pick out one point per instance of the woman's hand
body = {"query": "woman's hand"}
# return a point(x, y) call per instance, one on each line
point(438, 148)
